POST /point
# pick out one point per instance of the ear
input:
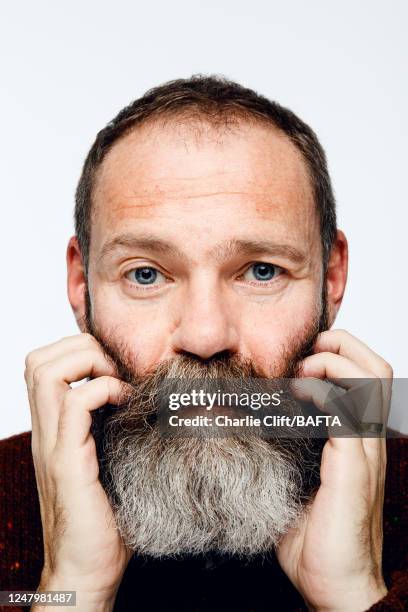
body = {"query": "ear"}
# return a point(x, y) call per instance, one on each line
point(76, 282)
point(336, 276)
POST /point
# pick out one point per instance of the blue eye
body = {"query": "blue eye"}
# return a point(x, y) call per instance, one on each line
point(145, 275)
point(262, 272)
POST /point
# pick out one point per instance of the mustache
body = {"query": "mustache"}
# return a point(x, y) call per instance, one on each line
point(225, 364)
point(183, 366)
point(143, 400)
point(138, 412)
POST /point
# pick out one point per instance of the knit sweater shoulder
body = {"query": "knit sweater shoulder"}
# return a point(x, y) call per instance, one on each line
point(21, 543)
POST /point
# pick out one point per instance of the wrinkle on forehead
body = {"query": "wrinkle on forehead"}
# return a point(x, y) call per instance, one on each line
point(156, 168)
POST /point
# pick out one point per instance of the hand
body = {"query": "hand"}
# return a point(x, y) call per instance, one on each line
point(82, 548)
point(334, 557)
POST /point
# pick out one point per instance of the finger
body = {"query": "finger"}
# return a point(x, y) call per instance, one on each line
point(56, 349)
point(72, 367)
point(345, 344)
point(75, 418)
point(353, 407)
point(42, 355)
point(328, 365)
point(311, 390)
point(325, 365)
point(343, 370)
point(50, 382)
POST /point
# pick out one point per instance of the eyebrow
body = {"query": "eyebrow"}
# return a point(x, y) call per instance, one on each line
point(254, 247)
point(221, 252)
point(132, 242)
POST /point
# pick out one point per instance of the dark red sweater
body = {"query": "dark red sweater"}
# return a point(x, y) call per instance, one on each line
point(196, 584)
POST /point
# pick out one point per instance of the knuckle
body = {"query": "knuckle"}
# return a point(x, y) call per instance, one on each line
point(387, 370)
point(30, 360)
point(108, 382)
point(37, 374)
point(40, 372)
point(105, 384)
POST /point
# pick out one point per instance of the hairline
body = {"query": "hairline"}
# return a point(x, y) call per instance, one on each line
point(192, 119)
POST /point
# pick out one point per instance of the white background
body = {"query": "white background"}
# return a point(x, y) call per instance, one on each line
point(68, 67)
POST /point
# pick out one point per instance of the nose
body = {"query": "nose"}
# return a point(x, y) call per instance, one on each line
point(206, 323)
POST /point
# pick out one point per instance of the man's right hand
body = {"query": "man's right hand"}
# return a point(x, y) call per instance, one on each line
point(83, 550)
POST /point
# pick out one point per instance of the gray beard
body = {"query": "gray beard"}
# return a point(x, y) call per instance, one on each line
point(235, 495)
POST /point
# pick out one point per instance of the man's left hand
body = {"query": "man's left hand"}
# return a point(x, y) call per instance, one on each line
point(334, 557)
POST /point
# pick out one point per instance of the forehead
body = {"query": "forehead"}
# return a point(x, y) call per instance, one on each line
point(181, 174)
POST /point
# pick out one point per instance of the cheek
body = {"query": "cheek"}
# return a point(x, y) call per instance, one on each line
point(141, 330)
point(268, 330)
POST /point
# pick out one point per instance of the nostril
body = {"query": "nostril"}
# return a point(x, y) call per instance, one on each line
point(220, 357)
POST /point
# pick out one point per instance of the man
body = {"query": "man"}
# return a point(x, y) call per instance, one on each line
point(206, 247)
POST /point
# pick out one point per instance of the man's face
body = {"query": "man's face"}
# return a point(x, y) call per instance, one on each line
point(202, 242)
point(205, 261)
